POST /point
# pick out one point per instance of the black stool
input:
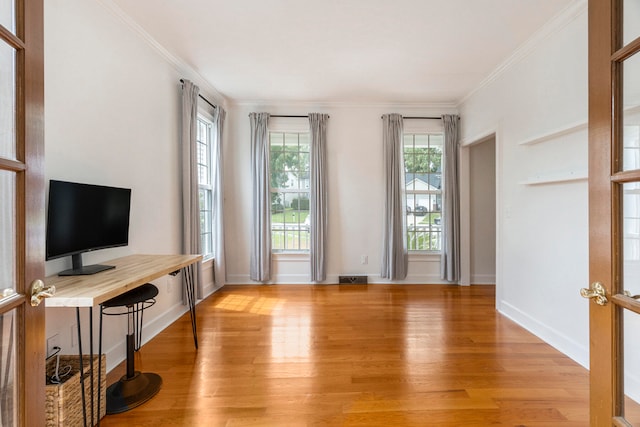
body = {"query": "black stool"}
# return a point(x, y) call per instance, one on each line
point(134, 388)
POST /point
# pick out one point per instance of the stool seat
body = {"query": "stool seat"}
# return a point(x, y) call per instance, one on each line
point(134, 296)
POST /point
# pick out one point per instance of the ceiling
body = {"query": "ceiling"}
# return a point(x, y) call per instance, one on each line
point(361, 51)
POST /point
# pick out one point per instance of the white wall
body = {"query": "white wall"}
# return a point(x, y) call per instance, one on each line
point(355, 175)
point(112, 106)
point(537, 107)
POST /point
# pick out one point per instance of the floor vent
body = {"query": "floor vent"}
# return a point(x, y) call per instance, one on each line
point(352, 279)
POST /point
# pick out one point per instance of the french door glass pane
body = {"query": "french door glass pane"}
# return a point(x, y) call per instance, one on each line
point(631, 21)
point(631, 283)
point(7, 101)
point(631, 322)
point(8, 377)
point(7, 230)
point(631, 113)
point(8, 15)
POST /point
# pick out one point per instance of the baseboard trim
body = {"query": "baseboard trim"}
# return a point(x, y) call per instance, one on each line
point(570, 347)
point(483, 279)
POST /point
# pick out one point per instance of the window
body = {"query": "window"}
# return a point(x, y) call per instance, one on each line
point(205, 187)
point(289, 168)
point(423, 179)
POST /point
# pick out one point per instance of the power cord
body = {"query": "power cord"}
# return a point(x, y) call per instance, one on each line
point(56, 378)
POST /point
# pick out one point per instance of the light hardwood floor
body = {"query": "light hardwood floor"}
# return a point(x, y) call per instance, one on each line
point(356, 355)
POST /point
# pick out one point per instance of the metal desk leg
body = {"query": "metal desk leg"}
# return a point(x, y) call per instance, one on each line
point(191, 298)
point(91, 363)
point(91, 374)
point(100, 366)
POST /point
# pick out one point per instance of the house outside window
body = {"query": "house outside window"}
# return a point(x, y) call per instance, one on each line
point(205, 188)
point(423, 191)
point(289, 169)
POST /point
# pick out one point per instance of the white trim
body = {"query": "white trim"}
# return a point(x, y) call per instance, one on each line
point(424, 256)
point(480, 137)
point(483, 279)
point(465, 202)
point(333, 279)
point(557, 23)
point(464, 159)
point(289, 125)
point(565, 344)
point(404, 108)
point(290, 256)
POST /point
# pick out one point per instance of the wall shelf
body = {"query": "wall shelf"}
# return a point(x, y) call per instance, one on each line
point(557, 178)
point(573, 128)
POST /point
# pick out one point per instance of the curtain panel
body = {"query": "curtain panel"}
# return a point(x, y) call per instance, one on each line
point(220, 270)
point(394, 239)
point(318, 195)
point(191, 243)
point(450, 258)
point(260, 268)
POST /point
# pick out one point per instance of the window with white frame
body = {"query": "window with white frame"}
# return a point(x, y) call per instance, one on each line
point(423, 192)
point(205, 187)
point(289, 169)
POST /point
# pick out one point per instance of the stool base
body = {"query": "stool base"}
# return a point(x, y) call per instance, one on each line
point(128, 393)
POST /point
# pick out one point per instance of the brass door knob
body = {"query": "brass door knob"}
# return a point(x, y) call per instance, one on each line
point(597, 292)
point(39, 291)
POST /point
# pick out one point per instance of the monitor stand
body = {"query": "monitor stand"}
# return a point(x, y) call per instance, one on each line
point(78, 269)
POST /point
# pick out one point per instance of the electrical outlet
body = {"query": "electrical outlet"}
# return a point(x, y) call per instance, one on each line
point(52, 343)
point(364, 259)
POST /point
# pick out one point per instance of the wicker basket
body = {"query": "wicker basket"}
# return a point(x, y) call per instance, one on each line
point(63, 405)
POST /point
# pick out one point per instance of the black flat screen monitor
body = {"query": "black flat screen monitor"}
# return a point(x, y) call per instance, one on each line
point(83, 218)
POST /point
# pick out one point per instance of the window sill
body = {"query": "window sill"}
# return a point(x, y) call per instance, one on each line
point(291, 256)
point(424, 256)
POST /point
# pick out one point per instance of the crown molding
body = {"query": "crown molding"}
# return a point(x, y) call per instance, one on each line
point(180, 66)
point(557, 23)
point(424, 107)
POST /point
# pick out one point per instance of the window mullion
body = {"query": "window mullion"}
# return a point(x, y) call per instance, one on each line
point(423, 193)
point(289, 191)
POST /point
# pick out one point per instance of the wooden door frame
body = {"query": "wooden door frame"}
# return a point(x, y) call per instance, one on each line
point(603, 224)
point(31, 208)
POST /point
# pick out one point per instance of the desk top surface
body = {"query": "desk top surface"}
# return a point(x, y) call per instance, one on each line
point(130, 272)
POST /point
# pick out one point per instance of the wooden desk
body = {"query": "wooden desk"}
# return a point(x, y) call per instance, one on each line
point(92, 290)
point(130, 272)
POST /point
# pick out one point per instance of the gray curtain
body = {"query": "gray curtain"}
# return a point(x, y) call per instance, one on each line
point(394, 240)
point(318, 195)
point(191, 243)
point(260, 269)
point(450, 262)
point(220, 270)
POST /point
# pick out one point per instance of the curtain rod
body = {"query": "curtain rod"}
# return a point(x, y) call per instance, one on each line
point(290, 116)
point(421, 118)
point(202, 97)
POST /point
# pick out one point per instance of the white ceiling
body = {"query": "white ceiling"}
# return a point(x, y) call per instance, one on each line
point(404, 51)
